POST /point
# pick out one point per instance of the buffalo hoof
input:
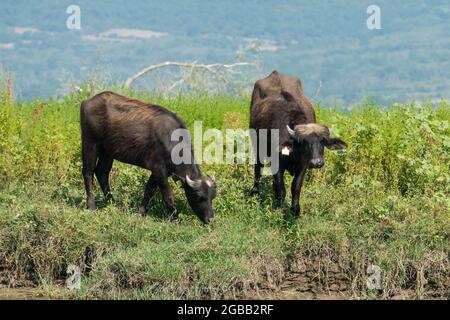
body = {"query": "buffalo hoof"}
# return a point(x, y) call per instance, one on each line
point(91, 205)
point(295, 211)
point(142, 211)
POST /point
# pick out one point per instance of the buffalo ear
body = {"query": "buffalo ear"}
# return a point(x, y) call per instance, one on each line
point(335, 144)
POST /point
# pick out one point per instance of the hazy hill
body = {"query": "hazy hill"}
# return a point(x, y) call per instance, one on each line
point(326, 43)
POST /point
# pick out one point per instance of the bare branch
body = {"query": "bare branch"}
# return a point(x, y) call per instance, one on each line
point(213, 68)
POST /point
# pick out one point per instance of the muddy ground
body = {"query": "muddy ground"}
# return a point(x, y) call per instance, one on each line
point(295, 286)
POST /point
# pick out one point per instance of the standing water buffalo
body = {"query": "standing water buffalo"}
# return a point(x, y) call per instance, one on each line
point(114, 127)
point(278, 102)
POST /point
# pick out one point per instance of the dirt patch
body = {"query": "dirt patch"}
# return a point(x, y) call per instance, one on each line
point(298, 278)
point(23, 293)
point(321, 278)
point(300, 286)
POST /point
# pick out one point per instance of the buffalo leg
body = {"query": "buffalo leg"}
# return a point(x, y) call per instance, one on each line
point(296, 188)
point(255, 188)
point(150, 188)
point(89, 155)
point(167, 194)
point(102, 171)
point(257, 167)
point(279, 189)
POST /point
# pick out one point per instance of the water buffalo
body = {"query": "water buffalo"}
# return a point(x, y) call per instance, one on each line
point(114, 127)
point(278, 102)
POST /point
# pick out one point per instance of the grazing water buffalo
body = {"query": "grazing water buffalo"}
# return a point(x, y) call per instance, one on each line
point(278, 102)
point(114, 127)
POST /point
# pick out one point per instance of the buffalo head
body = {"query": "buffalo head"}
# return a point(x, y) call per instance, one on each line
point(200, 192)
point(310, 140)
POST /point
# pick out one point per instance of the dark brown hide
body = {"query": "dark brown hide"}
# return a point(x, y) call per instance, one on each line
point(277, 102)
point(114, 127)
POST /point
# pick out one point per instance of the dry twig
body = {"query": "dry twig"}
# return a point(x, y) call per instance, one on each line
point(213, 68)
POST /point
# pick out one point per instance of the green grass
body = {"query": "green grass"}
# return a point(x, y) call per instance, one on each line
point(384, 201)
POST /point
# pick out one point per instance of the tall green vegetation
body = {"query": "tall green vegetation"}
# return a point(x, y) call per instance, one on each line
point(383, 201)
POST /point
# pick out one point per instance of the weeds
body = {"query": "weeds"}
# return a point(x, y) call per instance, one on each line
point(383, 201)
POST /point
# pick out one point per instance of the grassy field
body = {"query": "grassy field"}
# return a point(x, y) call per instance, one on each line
point(383, 201)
